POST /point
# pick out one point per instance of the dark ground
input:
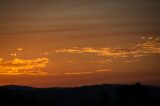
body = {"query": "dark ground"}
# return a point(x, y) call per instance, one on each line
point(97, 95)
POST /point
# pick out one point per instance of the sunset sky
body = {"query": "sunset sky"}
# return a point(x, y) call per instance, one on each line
point(48, 43)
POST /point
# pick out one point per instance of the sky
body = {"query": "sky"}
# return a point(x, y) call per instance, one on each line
point(61, 43)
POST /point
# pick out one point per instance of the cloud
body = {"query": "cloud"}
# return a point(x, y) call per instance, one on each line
point(19, 49)
point(102, 61)
point(87, 72)
point(103, 70)
point(13, 54)
point(131, 61)
point(23, 66)
point(78, 73)
point(99, 52)
point(46, 53)
point(150, 47)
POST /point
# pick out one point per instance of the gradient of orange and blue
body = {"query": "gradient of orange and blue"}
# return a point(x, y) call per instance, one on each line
point(46, 43)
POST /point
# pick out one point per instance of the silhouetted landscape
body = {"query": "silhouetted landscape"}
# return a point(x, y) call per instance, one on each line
point(96, 95)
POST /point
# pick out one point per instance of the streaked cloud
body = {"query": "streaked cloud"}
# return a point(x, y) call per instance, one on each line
point(143, 37)
point(23, 66)
point(150, 46)
point(131, 61)
point(100, 51)
point(19, 49)
point(87, 72)
point(13, 54)
point(103, 70)
point(102, 61)
point(78, 73)
point(46, 53)
point(147, 46)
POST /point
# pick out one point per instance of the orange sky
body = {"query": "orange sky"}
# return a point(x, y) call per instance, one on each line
point(45, 43)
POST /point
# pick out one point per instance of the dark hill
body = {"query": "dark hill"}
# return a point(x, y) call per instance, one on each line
point(97, 95)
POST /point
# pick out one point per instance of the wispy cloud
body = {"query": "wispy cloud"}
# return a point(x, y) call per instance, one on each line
point(23, 66)
point(110, 52)
point(103, 70)
point(78, 73)
point(13, 54)
point(151, 46)
point(87, 72)
point(19, 49)
point(147, 46)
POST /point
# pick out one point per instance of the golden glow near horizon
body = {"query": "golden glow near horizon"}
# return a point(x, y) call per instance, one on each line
point(147, 47)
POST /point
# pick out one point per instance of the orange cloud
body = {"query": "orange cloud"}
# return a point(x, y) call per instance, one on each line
point(103, 70)
point(78, 73)
point(149, 47)
point(23, 66)
point(87, 72)
point(100, 52)
point(19, 49)
point(13, 54)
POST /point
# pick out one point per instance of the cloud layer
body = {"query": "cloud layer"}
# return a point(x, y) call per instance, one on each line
point(150, 46)
point(23, 66)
